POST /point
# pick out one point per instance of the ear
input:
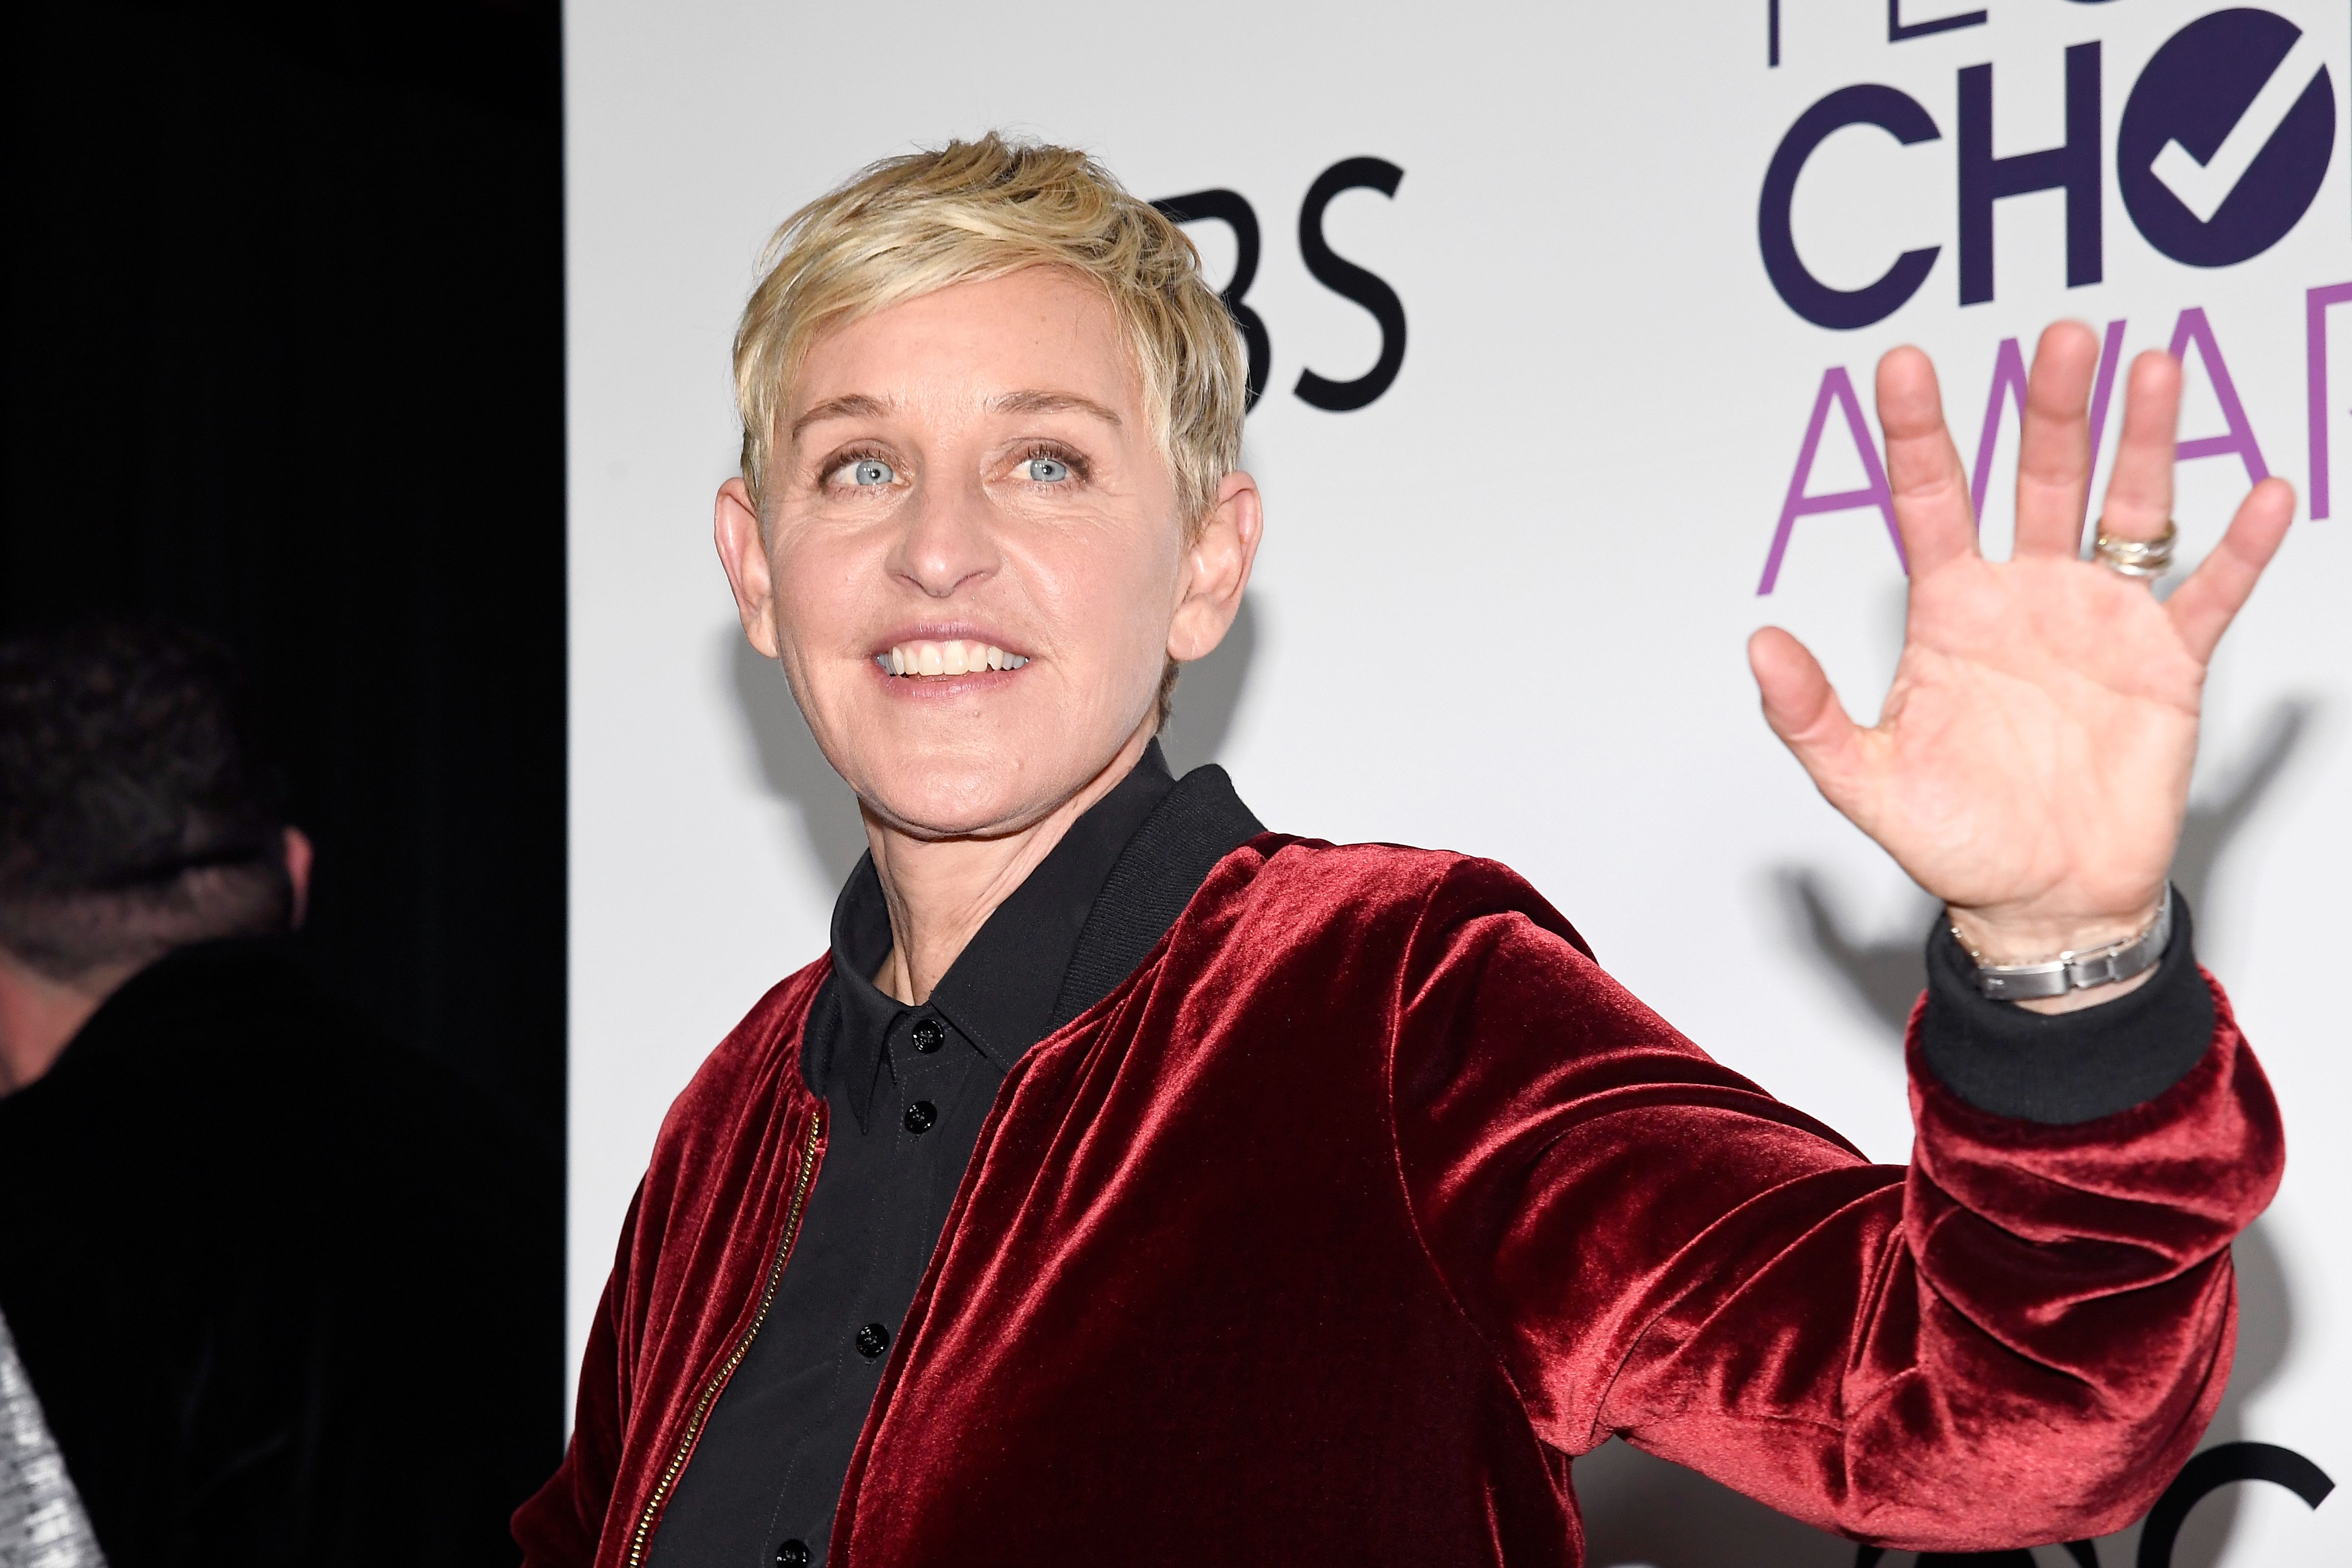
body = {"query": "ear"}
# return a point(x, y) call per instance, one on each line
point(743, 552)
point(1217, 569)
point(300, 856)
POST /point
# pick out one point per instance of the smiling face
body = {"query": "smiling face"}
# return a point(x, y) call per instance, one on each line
point(975, 560)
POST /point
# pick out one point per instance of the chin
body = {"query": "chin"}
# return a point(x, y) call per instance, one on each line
point(942, 763)
point(953, 808)
point(969, 788)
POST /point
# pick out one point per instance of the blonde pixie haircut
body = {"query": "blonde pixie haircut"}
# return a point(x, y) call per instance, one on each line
point(972, 210)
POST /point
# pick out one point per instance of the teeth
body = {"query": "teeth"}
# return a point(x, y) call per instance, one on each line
point(948, 658)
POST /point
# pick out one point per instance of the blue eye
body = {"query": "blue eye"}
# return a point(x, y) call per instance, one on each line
point(1047, 470)
point(871, 471)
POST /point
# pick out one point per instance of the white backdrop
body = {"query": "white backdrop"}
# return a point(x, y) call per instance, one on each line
point(1501, 608)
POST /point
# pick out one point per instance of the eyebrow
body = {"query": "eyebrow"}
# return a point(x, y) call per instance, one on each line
point(859, 406)
point(1040, 401)
point(855, 405)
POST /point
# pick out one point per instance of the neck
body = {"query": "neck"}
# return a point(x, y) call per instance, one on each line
point(39, 1015)
point(941, 892)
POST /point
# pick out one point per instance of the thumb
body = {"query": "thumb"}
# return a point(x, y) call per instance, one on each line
point(1805, 713)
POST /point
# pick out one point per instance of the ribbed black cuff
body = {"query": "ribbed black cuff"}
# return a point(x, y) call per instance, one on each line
point(2064, 1068)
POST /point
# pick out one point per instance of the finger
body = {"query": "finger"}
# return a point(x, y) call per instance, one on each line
point(1923, 469)
point(2139, 492)
point(2053, 446)
point(2202, 608)
point(1805, 713)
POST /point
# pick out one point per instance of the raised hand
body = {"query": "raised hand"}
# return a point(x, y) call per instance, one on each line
point(2030, 764)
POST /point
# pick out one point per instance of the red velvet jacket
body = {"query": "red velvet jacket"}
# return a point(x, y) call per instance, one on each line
point(1369, 1200)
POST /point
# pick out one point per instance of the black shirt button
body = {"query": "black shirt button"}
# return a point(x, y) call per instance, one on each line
point(873, 1340)
point(792, 1555)
point(928, 1035)
point(920, 1116)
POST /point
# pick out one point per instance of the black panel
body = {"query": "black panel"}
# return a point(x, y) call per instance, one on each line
point(284, 294)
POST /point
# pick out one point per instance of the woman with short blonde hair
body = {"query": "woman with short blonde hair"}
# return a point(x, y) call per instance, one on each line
point(1128, 1182)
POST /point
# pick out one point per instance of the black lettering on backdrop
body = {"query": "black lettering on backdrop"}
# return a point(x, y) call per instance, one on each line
point(2073, 166)
point(1843, 309)
point(1344, 278)
point(2226, 140)
point(1898, 30)
point(1232, 209)
point(2216, 1467)
point(1331, 269)
point(2205, 180)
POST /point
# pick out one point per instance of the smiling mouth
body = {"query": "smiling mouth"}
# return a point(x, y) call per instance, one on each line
point(952, 657)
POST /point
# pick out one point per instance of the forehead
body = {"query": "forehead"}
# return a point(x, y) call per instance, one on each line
point(1039, 330)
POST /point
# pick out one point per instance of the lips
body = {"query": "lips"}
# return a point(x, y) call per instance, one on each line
point(920, 657)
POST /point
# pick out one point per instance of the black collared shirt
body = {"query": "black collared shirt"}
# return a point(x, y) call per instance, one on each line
point(906, 1090)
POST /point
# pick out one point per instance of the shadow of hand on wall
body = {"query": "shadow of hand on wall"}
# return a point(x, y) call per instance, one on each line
point(1209, 694)
point(1639, 1509)
point(2212, 826)
point(791, 764)
point(1882, 973)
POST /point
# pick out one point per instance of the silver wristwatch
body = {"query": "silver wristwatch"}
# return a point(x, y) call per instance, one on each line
point(2076, 971)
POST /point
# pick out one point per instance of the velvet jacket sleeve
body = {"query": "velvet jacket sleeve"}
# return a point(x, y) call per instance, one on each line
point(2017, 1339)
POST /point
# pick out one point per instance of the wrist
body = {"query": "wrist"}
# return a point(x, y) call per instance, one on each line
point(2074, 976)
point(1996, 935)
point(2013, 1061)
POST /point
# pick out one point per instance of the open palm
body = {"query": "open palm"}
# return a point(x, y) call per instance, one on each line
point(2030, 763)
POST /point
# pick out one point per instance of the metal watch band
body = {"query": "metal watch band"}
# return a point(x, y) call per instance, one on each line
point(2077, 971)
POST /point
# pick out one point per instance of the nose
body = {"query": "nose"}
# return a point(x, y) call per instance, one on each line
point(948, 544)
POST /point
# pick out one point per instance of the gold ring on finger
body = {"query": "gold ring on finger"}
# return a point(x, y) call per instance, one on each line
point(2146, 559)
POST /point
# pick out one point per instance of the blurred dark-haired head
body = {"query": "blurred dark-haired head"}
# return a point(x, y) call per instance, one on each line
point(139, 811)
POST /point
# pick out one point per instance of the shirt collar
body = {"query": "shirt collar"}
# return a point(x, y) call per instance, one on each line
point(1000, 993)
point(190, 987)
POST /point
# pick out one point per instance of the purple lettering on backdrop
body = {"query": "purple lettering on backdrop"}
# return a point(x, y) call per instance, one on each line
point(1837, 388)
point(2239, 441)
point(2315, 309)
point(2008, 388)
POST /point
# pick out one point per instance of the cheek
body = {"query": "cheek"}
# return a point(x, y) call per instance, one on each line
point(818, 619)
point(817, 587)
point(1117, 604)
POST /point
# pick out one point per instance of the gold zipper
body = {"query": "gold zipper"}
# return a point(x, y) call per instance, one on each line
point(742, 1347)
